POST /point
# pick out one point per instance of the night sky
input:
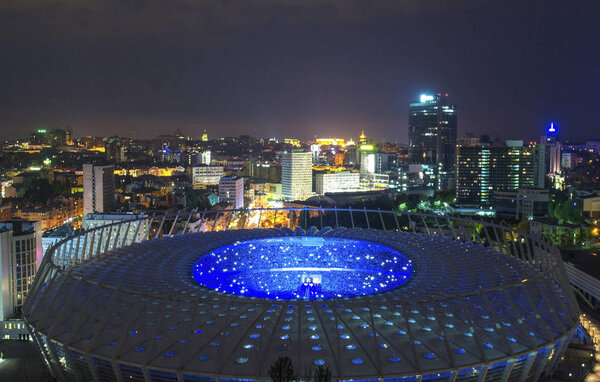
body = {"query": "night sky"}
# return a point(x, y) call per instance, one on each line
point(297, 68)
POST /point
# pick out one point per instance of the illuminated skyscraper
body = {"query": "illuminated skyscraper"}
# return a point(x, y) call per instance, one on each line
point(554, 150)
point(432, 137)
point(367, 159)
point(351, 157)
point(483, 170)
point(296, 175)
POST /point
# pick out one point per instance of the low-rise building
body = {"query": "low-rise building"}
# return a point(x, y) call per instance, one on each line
point(58, 213)
point(5, 212)
point(416, 178)
point(343, 181)
point(266, 171)
point(523, 203)
point(375, 181)
point(271, 191)
point(591, 207)
point(203, 176)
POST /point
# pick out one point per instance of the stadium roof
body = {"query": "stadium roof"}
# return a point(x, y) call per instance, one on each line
point(465, 305)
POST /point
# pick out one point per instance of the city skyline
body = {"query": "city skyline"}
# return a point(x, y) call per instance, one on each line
point(203, 136)
point(297, 69)
point(299, 190)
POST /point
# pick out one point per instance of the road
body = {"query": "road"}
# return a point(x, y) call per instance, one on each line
point(592, 325)
point(22, 363)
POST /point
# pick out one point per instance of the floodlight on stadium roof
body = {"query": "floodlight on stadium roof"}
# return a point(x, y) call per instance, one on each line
point(221, 295)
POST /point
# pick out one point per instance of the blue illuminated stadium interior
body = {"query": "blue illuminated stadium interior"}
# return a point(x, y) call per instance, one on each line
point(308, 267)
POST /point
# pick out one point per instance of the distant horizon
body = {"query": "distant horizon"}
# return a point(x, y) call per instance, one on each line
point(281, 137)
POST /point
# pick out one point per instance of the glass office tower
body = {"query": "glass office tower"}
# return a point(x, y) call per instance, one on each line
point(432, 137)
point(483, 170)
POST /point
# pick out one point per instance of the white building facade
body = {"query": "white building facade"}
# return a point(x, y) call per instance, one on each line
point(342, 181)
point(98, 188)
point(203, 176)
point(231, 190)
point(20, 257)
point(555, 158)
point(296, 175)
point(205, 157)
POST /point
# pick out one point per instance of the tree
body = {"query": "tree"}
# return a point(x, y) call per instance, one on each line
point(322, 374)
point(406, 202)
point(523, 226)
point(563, 208)
point(282, 370)
point(194, 200)
point(445, 196)
point(40, 191)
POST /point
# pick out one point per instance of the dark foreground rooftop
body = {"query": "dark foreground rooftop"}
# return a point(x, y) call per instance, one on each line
point(22, 362)
point(587, 261)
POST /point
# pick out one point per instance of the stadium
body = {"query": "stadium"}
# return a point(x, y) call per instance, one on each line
point(369, 294)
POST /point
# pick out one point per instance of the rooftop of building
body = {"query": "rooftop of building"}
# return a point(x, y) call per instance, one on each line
point(18, 226)
point(229, 178)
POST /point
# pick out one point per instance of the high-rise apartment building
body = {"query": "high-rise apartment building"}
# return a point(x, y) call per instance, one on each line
point(205, 157)
point(554, 150)
point(98, 188)
point(432, 125)
point(231, 190)
point(296, 175)
point(368, 159)
point(351, 158)
point(20, 257)
point(483, 169)
point(114, 149)
point(554, 153)
point(553, 156)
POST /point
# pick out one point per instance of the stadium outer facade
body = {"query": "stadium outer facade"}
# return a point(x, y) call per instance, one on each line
point(119, 303)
